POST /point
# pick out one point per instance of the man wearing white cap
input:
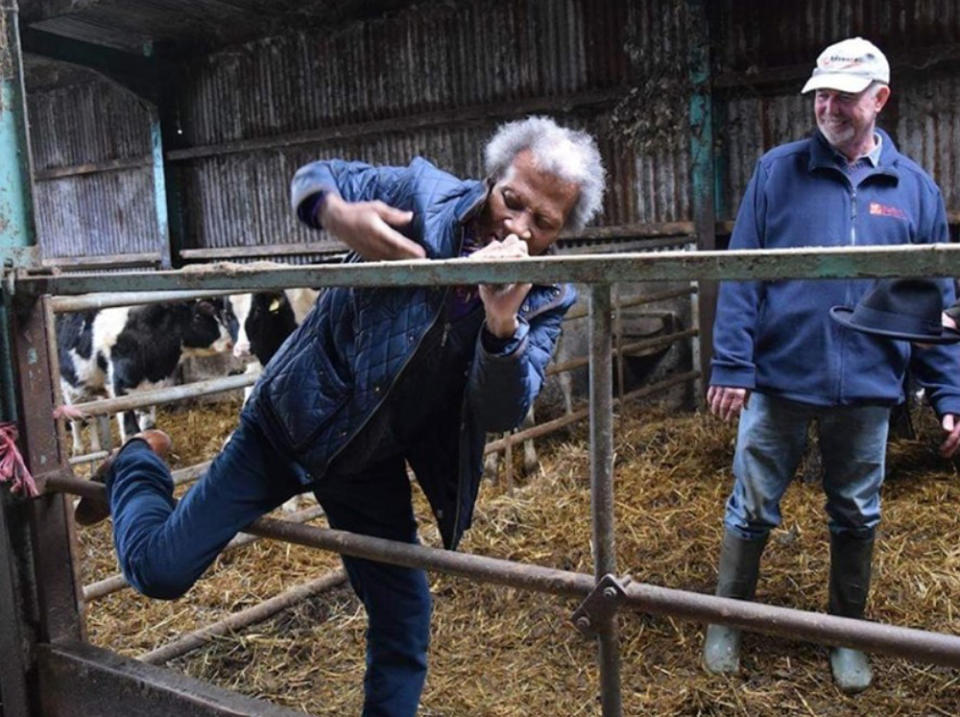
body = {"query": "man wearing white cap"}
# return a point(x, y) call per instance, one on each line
point(775, 344)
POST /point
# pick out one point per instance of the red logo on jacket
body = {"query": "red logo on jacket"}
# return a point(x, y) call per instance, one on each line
point(883, 210)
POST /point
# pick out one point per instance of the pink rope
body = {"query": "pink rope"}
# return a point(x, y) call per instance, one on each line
point(12, 468)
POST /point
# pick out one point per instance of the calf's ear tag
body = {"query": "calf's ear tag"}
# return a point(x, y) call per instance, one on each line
point(275, 306)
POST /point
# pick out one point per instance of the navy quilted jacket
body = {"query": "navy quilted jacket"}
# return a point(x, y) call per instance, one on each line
point(338, 367)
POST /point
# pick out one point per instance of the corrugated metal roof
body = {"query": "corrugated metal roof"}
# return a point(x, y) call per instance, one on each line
point(189, 24)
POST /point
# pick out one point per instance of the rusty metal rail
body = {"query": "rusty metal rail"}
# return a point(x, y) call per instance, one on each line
point(916, 644)
point(603, 593)
point(740, 265)
point(144, 399)
point(107, 300)
point(239, 620)
point(115, 583)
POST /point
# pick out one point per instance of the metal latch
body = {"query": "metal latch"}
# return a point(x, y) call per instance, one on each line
point(600, 604)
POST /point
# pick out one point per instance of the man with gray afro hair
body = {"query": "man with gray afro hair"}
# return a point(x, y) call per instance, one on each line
point(569, 154)
point(376, 379)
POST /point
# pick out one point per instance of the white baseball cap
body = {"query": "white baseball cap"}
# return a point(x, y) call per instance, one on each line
point(849, 66)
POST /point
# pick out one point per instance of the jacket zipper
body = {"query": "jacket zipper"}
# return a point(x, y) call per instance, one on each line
point(853, 215)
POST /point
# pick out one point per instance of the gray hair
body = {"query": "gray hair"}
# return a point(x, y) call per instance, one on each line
point(569, 154)
point(874, 87)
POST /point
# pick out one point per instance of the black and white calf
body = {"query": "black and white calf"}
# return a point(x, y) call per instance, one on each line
point(122, 350)
point(265, 319)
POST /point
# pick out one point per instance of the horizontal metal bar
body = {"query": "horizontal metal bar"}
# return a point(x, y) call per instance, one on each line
point(921, 645)
point(115, 583)
point(626, 350)
point(103, 300)
point(88, 457)
point(102, 588)
point(229, 252)
point(556, 424)
point(104, 261)
point(809, 262)
point(645, 232)
point(145, 399)
point(113, 165)
point(239, 620)
point(185, 475)
point(80, 679)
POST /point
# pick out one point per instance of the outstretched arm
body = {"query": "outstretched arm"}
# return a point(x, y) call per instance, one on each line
point(359, 204)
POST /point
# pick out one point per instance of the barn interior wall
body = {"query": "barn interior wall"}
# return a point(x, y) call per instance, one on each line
point(438, 77)
point(460, 68)
point(755, 37)
point(93, 213)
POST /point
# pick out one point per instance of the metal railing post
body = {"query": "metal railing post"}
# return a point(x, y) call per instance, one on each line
point(601, 487)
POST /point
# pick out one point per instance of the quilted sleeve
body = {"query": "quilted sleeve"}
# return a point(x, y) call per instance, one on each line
point(504, 382)
point(354, 181)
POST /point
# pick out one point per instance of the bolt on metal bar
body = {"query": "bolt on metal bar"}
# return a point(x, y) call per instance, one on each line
point(601, 488)
point(64, 304)
point(239, 620)
point(932, 647)
point(752, 265)
point(144, 399)
point(115, 583)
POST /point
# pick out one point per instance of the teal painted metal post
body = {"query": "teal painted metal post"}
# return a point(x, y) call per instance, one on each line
point(17, 236)
point(702, 172)
point(159, 180)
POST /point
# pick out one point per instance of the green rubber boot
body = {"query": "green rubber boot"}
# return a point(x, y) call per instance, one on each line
point(739, 567)
point(850, 559)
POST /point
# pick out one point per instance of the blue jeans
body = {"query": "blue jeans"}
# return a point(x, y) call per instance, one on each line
point(770, 443)
point(163, 547)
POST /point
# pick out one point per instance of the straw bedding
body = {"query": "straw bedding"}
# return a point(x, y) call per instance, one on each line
point(500, 651)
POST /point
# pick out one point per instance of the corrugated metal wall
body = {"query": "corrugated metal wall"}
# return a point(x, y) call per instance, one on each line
point(427, 59)
point(923, 116)
point(438, 74)
point(99, 213)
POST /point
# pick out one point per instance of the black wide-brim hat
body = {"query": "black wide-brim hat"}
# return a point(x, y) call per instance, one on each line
point(901, 309)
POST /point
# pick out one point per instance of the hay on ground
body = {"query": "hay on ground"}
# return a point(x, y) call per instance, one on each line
point(501, 651)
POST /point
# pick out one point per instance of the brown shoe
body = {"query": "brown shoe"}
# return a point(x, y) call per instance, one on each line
point(90, 511)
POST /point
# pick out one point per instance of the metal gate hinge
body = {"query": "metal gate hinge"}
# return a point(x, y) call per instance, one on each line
point(600, 604)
